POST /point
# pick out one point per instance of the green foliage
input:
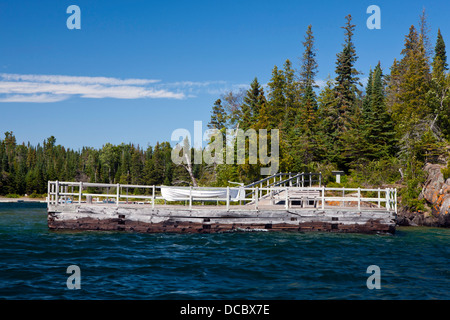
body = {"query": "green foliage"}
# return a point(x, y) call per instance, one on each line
point(414, 178)
point(12, 195)
point(376, 173)
point(446, 171)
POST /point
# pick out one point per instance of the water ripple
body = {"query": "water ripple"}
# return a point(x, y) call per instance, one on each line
point(414, 263)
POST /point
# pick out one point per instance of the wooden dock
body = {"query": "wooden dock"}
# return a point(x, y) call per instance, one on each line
point(272, 205)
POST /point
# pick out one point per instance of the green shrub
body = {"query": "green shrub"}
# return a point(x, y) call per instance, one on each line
point(35, 195)
point(446, 171)
point(12, 195)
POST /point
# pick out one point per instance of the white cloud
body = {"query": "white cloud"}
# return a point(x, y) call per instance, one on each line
point(75, 79)
point(36, 98)
point(54, 88)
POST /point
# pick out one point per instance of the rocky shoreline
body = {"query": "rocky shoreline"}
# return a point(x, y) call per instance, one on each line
point(436, 193)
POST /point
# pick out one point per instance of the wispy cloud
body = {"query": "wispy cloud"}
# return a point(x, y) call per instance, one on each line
point(54, 88)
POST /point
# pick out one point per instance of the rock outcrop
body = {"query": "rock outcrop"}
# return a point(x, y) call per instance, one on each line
point(436, 193)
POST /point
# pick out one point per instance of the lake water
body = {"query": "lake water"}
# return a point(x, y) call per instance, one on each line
point(414, 263)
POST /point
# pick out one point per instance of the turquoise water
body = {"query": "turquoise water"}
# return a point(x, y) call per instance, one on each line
point(414, 263)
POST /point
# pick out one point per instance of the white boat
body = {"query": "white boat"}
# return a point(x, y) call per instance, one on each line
point(183, 193)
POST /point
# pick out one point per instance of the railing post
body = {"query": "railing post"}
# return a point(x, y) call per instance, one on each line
point(57, 192)
point(379, 198)
point(153, 197)
point(343, 196)
point(256, 198)
point(80, 192)
point(359, 198)
point(118, 194)
point(387, 198)
point(228, 198)
point(395, 194)
point(52, 188)
point(48, 192)
point(287, 198)
point(260, 191)
point(323, 198)
point(190, 198)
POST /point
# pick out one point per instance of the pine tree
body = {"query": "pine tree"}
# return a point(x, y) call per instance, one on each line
point(413, 74)
point(218, 116)
point(327, 129)
point(301, 141)
point(379, 131)
point(291, 97)
point(251, 106)
point(439, 93)
point(440, 50)
point(306, 116)
point(277, 101)
point(347, 78)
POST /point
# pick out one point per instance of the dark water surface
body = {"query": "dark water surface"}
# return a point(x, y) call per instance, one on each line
point(414, 263)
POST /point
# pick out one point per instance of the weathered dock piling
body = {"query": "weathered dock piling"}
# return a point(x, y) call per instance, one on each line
point(278, 203)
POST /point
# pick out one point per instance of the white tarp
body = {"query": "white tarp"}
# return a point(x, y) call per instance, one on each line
point(181, 194)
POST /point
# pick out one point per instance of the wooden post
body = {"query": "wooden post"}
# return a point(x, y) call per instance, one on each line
point(190, 198)
point(320, 179)
point(80, 192)
point(287, 198)
point(228, 198)
point(303, 179)
point(48, 192)
point(118, 194)
point(256, 198)
point(388, 199)
point(57, 193)
point(52, 188)
point(379, 198)
point(260, 191)
point(323, 198)
point(359, 199)
point(395, 195)
point(153, 197)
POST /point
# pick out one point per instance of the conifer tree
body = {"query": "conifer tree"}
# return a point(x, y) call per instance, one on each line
point(306, 116)
point(439, 93)
point(277, 101)
point(218, 116)
point(251, 105)
point(347, 78)
point(411, 102)
point(440, 50)
point(379, 131)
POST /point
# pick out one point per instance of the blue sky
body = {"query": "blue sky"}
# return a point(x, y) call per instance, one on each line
point(138, 70)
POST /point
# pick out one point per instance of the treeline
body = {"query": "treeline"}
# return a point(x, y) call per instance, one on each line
point(25, 169)
point(381, 133)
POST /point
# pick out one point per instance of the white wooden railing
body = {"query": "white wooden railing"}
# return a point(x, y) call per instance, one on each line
point(66, 193)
